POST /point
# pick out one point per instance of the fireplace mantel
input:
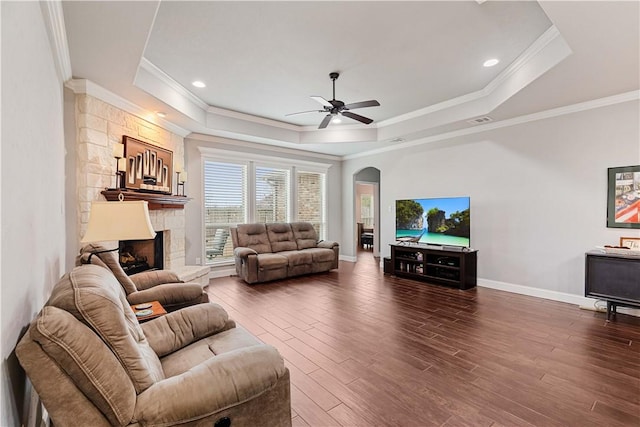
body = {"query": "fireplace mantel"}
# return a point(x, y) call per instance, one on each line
point(156, 200)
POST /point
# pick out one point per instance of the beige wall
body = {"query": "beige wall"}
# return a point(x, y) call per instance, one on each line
point(538, 193)
point(56, 159)
point(33, 231)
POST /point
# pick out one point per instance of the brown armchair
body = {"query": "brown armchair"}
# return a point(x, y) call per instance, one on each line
point(156, 285)
point(93, 364)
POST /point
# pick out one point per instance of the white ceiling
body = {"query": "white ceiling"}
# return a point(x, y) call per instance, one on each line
point(421, 60)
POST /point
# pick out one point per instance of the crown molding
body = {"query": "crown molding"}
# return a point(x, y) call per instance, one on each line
point(54, 20)
point(549, 36)
point(555, 112)
point(546, 39)
point(263, 147)
point(179, 89)
point(84, 86)
point(253, 157)
point(163, 78)
point(251, 118)
point(156, 72)
point(543, 54)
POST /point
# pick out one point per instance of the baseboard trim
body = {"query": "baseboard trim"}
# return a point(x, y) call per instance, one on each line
point(222, 272)
point(348, 258)
point(582, 302)
point(535, 292)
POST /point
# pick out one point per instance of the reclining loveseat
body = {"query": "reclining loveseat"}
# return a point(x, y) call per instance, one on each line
point(265, 252)
point(153, 285)
point(93, 364)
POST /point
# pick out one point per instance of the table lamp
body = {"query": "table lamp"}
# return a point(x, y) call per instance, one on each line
point(109, 221)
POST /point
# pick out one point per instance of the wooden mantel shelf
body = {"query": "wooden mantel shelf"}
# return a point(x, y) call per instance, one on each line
point(156, 200)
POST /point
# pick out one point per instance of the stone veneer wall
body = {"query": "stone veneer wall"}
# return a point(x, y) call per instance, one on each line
point(100, 126)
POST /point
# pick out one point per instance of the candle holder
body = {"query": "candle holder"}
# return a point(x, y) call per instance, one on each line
point(118, 153)
point(180, 184)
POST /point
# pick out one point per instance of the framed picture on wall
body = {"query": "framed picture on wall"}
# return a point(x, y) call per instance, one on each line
point(623, 200)
point(148, 167)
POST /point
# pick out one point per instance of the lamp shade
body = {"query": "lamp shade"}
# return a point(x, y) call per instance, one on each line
point(118, 221)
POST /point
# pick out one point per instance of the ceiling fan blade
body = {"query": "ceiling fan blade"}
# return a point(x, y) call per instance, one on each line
point(304, 112)
point(363, 104)
point(357, 117)
point(325, 121)
point(322, 101)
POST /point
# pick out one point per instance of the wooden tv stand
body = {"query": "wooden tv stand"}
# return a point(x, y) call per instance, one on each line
point(435, 264)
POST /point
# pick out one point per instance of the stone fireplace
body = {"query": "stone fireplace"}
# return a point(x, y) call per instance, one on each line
point(100, 126)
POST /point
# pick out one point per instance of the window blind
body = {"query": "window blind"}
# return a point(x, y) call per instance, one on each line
point(225, 205)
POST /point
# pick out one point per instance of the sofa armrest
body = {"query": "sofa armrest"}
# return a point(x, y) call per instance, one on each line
point(237, 376)
point(242, 252)
point(180, 328)
point(327, 244)
point(170, 294)
point(149, 279)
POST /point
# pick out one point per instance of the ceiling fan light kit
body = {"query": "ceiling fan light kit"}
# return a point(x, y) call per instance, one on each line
point(336, 107)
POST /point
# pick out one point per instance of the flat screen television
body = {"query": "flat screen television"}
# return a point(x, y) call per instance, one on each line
point(441, 221)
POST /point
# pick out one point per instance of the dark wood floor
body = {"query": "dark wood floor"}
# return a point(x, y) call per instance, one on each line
point(365, 349)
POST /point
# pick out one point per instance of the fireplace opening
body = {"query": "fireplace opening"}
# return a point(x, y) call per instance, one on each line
point(142, 255)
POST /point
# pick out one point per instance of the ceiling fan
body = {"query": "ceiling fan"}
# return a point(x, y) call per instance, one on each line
point(335, 107)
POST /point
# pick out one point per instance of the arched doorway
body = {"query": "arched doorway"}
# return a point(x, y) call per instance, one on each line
point(366, 192)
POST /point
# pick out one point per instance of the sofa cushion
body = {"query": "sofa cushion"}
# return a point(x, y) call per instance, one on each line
point(281, 237)
point(321, 254)
point(271, 261)
point(93, 295)
point(183, 327)
point(254, 236)
point(215, 385)
point(187, 357)
point(85, 358)
point(304, 234)
point(297, 257)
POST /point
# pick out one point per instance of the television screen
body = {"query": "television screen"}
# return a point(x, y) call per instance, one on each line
point(443, 221)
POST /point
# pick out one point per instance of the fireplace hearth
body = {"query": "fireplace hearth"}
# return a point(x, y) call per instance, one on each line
point(141, 255)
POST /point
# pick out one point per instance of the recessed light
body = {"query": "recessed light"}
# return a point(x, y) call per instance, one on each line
point(161, 114)
point(490, 62)
point(336, 120)
point(198, 83)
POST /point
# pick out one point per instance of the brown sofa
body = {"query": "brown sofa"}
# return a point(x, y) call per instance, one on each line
point(93, 364)
point(265, 252)
point(154, 285)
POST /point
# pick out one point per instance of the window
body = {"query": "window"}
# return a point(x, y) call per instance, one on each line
point(225, 205)
point(366, 210)
point(311, 200)
point(241, 190)
point(272, 194)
